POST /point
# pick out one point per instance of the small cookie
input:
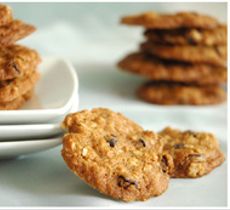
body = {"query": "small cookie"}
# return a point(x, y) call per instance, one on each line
point(171, 21)
point(172, 93)
point(14, 31)
point(17, 103)
point(189, 36)
point(157, 69)
point(5, 14)
point(190, 154)
point(194, 54)
point(10, 90)
point(114, 155)
point(17, 60)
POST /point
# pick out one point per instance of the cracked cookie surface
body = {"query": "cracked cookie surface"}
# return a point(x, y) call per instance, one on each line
point(158, 69)
point(5, 14)
point(189, 36)
point(16, 61)
point(172, 93)
point(194, 54)
point(10, 90)
point(190, 154)
point(18, 102)
point(114, 155)
point(14, 31)
point(170, 21)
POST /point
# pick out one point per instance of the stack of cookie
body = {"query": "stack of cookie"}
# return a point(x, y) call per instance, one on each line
point(18, 64)
point(184, 56)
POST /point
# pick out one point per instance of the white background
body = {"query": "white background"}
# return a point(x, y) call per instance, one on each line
point(91, 37)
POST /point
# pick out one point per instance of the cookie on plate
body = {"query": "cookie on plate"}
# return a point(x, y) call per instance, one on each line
point(172, 93)
point(114, 155)
point(16, 103)
point(190, 154)
point(188, 36)
point(188, 53)
point(17, 60)
point(14, 31)
point(158, 69)
point(171, 21)
point(5, 14)
point(12, 89)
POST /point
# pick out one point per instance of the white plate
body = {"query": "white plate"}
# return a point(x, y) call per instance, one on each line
point(18, 132)
point(54, 95)
point(34, 131)
point(17, 148)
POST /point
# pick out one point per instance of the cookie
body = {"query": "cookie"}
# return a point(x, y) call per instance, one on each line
point(194, 54)
point(16, 103)
point(16, 60)
point(10, 90)
point(157, 69)
point(171, 21)
point(172, 93)
point(190, 154)
point(114, 155)
point(14, 31)
point(5, 14)
point(188, 36)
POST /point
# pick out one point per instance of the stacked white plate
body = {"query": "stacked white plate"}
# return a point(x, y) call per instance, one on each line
point(36, 126)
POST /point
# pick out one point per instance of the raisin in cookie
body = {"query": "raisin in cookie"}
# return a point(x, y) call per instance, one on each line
point(17, 60)
point(170, 21)
point(114, 155)
point(158, 69)
point(190, 154)
point(172, 93)
point(189, 36)
point(216, 55)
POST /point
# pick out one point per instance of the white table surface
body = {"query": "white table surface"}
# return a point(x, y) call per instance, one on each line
point(94, 47)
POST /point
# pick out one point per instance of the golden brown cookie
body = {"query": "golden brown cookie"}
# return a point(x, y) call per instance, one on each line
point(14, 31)
point(157, 69)
point(190, 154)
point(5, 14)
point(17, 60)
point(10, 90)
point(114, 155)
point(172, 93)
point(16, 103)
point(194, 54)
point(170, 21)
point(189, 36)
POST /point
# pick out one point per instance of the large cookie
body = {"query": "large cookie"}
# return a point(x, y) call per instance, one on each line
point(189, 36)
point(14, 31)
point(5, 14)
point(12, 89)
point(16, 103)
point(17, 60)
point(170, 21)
point(194, 54)
point(172, 93)
point(157, 69)
point(190, 154)
point(114, 155)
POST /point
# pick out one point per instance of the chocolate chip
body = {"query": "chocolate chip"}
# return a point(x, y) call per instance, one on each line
point(178, 146)
point(125, 183)
point(112, 142)
point(142, 142)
